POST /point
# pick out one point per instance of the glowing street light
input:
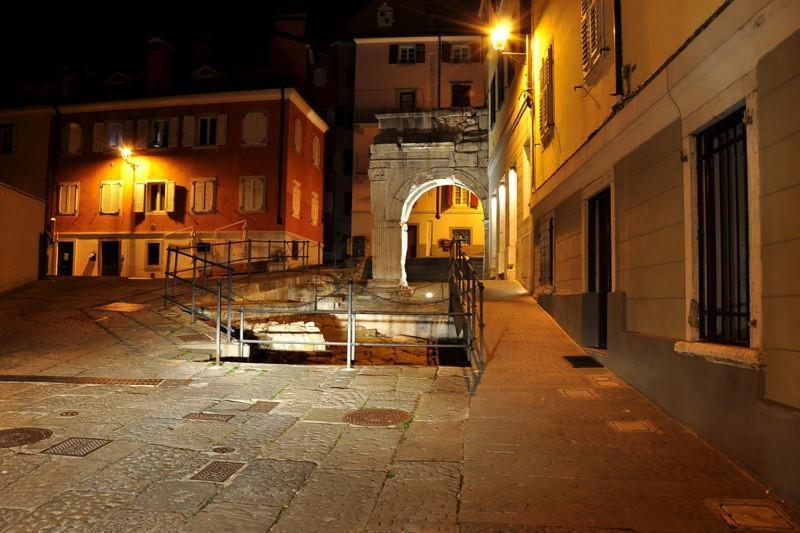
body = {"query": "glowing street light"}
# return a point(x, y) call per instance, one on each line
point(499, 35)
point(126, 153)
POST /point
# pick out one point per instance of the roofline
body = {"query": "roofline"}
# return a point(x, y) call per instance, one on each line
point(417, 38)
point(258, 95)
point(33, 110)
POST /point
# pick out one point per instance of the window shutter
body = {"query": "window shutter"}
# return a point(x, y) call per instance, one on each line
point(97, 137)
point(446, 198)
point(419, 55)
point(197, 196)
point(128, 133)
point(74, 197)
point(394, 52)
point(141, 133)
point(169, 197)
point(138, 197)
point(107, 198)
point(116, 197)
point(447, 51)
point(174, 125)
point(546, 119)
point(222, 129)
point(62, 199)
point(473, 201)
point(242, 185)
point(188, 131)
point(209, 194)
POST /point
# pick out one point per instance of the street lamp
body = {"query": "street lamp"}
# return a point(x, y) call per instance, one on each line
point(500, 35)
point(127, 154)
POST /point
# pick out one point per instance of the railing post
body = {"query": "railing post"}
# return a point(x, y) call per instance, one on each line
point(166, 275)
point(349, 323)
point(194, 283)
point(249, 255)
point(229, 253)
point(219, 325)
point(175, 272)
point(241, 332)
point(230, 298)
point(480, 325)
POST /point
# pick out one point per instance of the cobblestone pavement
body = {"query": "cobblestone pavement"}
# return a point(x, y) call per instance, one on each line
point(532, 451)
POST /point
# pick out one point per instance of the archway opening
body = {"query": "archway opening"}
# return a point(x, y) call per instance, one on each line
point(433, 215)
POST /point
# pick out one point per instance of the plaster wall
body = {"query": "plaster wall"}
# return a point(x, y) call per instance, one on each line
point(430, 230)
point(22, 220)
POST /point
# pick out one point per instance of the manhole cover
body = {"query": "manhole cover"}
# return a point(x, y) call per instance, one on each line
point(215, 417)
point(582, 361)
point(633, 426)
point(217, 471)
point(21, 436)
point(377, 417)
point(69, 413)
point(262, 407)
point(76, 447)
point(223, 449)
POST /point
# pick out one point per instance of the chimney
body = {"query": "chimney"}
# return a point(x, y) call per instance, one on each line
point(158, 67)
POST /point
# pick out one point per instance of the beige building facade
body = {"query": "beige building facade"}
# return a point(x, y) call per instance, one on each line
point(664, 142)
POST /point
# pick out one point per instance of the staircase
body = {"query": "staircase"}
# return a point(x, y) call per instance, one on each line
point(434, 268)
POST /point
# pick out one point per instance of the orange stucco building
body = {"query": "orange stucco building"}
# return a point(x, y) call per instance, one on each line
point(201, 168)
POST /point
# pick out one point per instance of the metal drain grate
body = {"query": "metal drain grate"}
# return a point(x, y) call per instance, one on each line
point(582, 361)
point(377, 417)
point(122, 307)
point(578, 394)
point(605, 381)
point(81, 380)
point(194, 337)
point(214, 417)
point(633, 426)
point(10, 438)
point(77, 447)
point(752, 514)
point(68, 413)
point(217, 471)
point(223, 449)
point(262, 407)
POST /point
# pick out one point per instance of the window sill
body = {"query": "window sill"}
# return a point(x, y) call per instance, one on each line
point(722, 353)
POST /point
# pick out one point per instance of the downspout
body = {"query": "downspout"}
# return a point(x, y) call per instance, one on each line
point(49, 211)
point(618, 63)
point(281, 149)
point(439, 80)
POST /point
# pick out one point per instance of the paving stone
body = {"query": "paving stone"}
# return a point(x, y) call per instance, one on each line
point(10, 516)
point(195, 434)
point(16, 465)
point(432, 441)
point(227, 516)
point(442, 406)
point(405, 401)
point(414, 384)
point(71, 511)
point(342, 399)
point(138, 470)
point(305, 441)
point(184, 497)
point(364, 448)
point(266, 482)
point(146, 429)
point(333, 500)
point(418, 497)
point(373, 383)
point(325, 415)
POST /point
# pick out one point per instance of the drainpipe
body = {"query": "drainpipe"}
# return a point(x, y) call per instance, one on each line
point(439, 80)
point(54, 150)
point(281, 149)
point(618, 48)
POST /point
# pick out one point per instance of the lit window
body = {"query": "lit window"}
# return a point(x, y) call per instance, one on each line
point(114, 135)
point(254, 128)
point(298, 135)
point(314, 208)
point(207, 131)
point(315, 151)
point(203, 195)
point(407, 54)
point(460, 196)
point(110, 197)
point(251, 194)
point(68, 199)
point(460, 54)
point(155, 197)
point(153, 254)
point(296, 199)
point(159, 133)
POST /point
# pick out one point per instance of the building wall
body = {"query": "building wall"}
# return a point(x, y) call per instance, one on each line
point(27, 167)
point(567, 248)
point(424, 214)
point(779, 135)
point(22, 220)
point(648, 189)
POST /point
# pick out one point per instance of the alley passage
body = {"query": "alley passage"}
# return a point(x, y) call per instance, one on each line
point(545, 444)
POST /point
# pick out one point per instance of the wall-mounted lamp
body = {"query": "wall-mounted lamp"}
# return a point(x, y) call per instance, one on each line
point(127, 156)
point(500, 35)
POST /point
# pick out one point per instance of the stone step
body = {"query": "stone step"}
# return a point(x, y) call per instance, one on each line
point(226, 349)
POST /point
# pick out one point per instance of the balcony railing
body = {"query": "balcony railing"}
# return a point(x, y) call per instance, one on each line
point(371, 102)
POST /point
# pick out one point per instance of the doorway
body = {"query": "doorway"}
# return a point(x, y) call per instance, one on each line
point(412, 241)
point(109, 258)
point(599, 255)
point(66, 257)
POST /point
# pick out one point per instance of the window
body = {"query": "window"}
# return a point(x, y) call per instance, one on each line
point(6, 138)
point(114, 135)
point(254, 128)
point(207, 131)
point(723, 227)
point(72, 138)
point(460, 196)
point(464, 234)
point(407, 100)
point(110, 197)
point(159, 133)
point(298, 135)
point(155, 197)
point(546, 109)
point(204, 195)
point(460, 96)
point(315, 155)
point(407, 54)
point(252, 191)
point(153, 254)
point(546, 251)
point(296, 198)
point(591, 34)
point(501, 82)
point(460, 54)
point(314, 208)
point(68, 199)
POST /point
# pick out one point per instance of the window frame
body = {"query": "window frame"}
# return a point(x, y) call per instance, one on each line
point(591, 18)
point(265, 140)
point(204, 181)
point(197, 135)
point(297, 198)
point(400, 103)
point(298, 135)
point(243, 190)
point(64, 185)
point(147, 196)
point(316, 151)
point(464, 54)
point(150, 137)
point(120, 128)
point(70, 128)
point(119, 198)
point(153, 266)
point(411, 58)
point(468, 241)
point(546, 97)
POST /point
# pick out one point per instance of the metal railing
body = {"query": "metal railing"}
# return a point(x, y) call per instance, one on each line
point(369, 102)
point(466, 303)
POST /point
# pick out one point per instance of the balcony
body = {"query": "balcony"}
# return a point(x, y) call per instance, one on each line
point(371, 102)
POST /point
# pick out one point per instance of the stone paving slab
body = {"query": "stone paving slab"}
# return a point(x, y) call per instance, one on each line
point(184, 497)
point(432, 441)
point(70, 511)
point(240, 517)
point(267, 482)
point(364, 448)
point(305, 441)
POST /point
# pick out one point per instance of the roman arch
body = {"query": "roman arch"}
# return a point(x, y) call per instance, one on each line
point(411, 154)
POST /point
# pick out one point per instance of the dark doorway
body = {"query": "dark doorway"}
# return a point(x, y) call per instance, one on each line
point(599, 255)
point(412, 241)
point(460, 96)
point(109, 258)
point(66, 257)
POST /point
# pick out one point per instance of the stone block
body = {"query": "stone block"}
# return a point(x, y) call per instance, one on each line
point(467, 147)
point(466, 159)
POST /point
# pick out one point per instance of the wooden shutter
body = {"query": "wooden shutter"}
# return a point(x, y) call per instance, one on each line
point(209, 194)
point(447, 52)
point(110, 197)
point(141, 133)
point(97, 137)
point(473, 201)
point(197, 196)
point(222, 129)
point(546, 119)
point(242, 185)
point(174, 125)
point(258, 193)
point(188, 131)
point(394, 52)
point(128, 135)
point(446, 198)
point(138, 197)
point(169, 197)
point(419, 54)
